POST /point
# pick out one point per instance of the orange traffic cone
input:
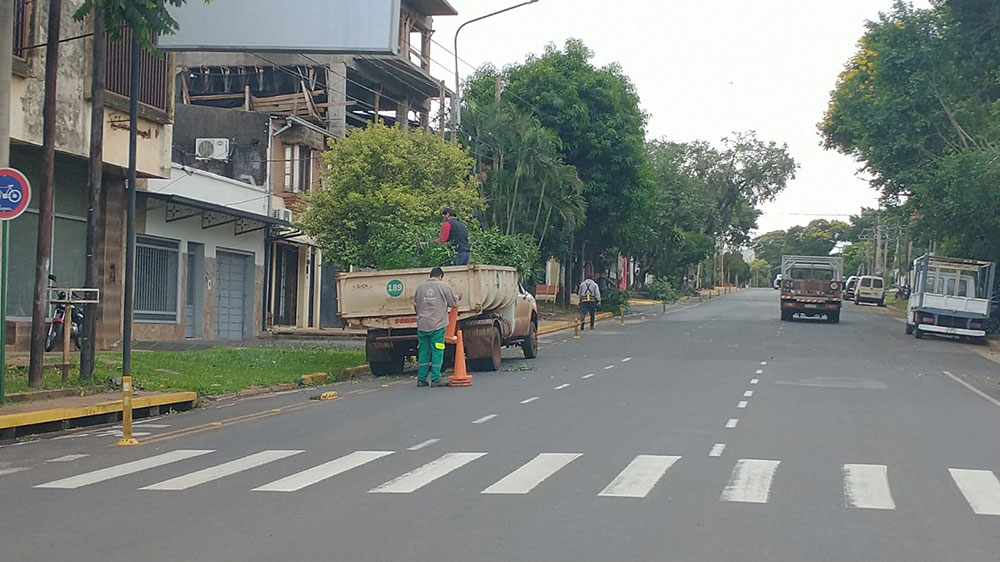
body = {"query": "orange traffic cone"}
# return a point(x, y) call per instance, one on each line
point(449, 334)
point(461, 377)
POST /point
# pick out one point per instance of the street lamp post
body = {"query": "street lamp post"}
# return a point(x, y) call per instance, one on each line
point(456, 116)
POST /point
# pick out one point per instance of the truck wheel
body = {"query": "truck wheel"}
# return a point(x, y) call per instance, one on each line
point(530, 344)
point(492, 363)
point(918, 334)
point(785, 316)
point(394, 366)
point(881, 303)
point(834, 317)
point(909, 330)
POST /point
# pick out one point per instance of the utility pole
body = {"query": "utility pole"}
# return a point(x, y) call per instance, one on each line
point(878, 243)
point(87, 342)
point(6, 49)
point(43, 252)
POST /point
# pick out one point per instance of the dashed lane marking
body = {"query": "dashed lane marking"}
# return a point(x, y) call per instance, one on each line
point(484, 419)
point(742, 404)
point(732, 423)
point(717, 450)
point(754, 381)
point(587, 376)
point(419, 446)
point(562, 386)
point(68, 458)
point(529, 400)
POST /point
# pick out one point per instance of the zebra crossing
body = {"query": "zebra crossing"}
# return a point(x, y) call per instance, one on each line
point(865, 486)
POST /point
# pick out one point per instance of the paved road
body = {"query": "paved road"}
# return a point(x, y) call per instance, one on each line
point(714, 432)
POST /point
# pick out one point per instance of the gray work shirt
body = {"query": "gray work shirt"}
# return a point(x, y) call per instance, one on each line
point(432, 300)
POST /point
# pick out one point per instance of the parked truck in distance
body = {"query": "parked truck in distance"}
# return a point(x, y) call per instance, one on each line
point(950, 296)
point(811, 286)
point(494, 311)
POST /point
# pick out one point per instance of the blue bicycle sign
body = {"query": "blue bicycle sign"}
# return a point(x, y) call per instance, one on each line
point(15, 193)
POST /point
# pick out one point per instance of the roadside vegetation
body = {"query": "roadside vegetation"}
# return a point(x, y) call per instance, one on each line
point(209, 372)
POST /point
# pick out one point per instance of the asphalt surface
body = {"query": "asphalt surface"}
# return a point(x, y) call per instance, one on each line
point(844, 442)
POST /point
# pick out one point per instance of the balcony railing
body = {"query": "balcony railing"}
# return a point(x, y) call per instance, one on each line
point(22, 16)
point(154, 77)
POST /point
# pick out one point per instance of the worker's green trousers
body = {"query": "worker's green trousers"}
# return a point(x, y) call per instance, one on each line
point(430, 354)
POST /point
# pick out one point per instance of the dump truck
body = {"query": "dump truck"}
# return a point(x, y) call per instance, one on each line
point(494, 311)
point(950, 297)
point(811, 286)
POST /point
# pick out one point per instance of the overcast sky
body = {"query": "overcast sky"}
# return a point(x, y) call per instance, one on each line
point(703, 69)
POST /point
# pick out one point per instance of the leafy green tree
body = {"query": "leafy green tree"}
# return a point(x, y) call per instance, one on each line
point(919, 106)
point(595, 114)
point(760, 271)
point(382, 193)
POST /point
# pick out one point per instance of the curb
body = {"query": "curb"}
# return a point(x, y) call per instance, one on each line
point(555, 327)
point(13, 421)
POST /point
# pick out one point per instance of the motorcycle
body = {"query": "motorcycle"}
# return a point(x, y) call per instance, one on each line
point(57, 325)
point(903, 292)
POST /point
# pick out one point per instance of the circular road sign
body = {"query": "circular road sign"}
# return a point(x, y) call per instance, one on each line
point(15, 192)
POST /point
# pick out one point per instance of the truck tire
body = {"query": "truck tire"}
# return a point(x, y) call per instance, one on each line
point(492, 363)
point(881, 303)
point(909, 329)
point(785, 316)
point(393, 366)
point(918, 334)
point(834, 317)
point(530, 344)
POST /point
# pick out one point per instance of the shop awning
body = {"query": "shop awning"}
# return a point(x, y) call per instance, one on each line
point(214, 214)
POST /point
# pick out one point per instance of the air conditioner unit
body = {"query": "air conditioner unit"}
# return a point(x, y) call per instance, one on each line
point(211, 149)
point(282, 214)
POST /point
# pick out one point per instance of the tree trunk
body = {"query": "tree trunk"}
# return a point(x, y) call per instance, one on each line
point(87, 342)
point(43, 252)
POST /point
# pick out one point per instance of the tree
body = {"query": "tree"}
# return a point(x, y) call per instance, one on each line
point(760, 270)
point(595, 114)
point(150, 19)
point(919, 106)
point(383, 192)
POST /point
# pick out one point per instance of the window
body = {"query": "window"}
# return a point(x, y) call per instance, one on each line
point(304, 168)
point(812, 274)
point(154, 75)
point(155, 279)
point(21, 18)
point(866, 281)
point(298, 168)
point(877, 283)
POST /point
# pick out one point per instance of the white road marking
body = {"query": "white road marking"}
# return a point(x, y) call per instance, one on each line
point(609, 367)
point(994, 401)
point(118, 433)
point(562, 386)
point(639, 477)
point(226, 405)
point(763, 362)
point(70, 436)
point(125, 469)
point(221, 471)
point(6, 471)
point(152, 425)
point(866, 486)
point(533, 473)
point(319, 473)
point(416, 479)
point(717, 450)
point(751, 481)
point(626, 360)
point(742, 404)
point(529, 400)
point(587, 376)
point(980, 488)
point(732, 423)
point(748, 394)
point(759, 372)
point(484, 419)
point(68, 458)
point(754, 381)
point(419, 446)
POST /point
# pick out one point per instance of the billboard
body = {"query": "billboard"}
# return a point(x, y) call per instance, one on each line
point(296, 26)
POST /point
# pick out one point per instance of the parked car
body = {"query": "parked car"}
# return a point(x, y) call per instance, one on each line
point(870, 289)
point(849, 286)
point(777, 282)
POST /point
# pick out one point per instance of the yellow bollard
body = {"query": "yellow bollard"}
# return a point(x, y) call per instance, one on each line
point(576, 330)
point(127, 438)
point(622, 322)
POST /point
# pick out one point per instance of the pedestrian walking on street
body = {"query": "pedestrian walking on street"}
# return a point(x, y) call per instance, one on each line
point(455, 232)
point(432, 300)
point(590, 299)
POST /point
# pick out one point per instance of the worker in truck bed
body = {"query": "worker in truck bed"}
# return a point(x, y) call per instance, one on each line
point(455, 232)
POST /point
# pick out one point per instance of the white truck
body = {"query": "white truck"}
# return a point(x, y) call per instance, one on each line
point(950, 297)
point(494, 311)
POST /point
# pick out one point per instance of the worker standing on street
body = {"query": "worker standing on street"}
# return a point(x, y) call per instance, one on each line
point(455, 232)
point(590, 298)
point(432, 300)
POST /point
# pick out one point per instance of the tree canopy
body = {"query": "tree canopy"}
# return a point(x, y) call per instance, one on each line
point(919, 106)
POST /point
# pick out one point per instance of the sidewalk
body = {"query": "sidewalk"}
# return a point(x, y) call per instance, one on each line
point(26, 417)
